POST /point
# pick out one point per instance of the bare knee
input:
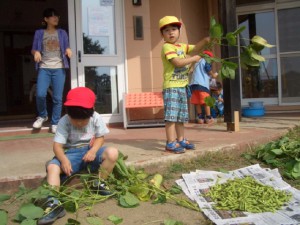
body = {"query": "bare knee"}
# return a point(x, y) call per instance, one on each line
point(53, 169)
point(111, 154)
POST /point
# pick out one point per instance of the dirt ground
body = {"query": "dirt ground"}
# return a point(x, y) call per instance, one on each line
point(145, 213)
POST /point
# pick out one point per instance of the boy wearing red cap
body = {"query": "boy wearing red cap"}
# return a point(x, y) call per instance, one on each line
point(78, 144)
point(176, 58)
point(200, 88)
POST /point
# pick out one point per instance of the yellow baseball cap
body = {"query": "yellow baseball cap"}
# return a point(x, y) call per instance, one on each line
point(169, 20)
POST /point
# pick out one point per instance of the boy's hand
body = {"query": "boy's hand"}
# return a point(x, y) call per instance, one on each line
point(66, 167)
point(89, 156)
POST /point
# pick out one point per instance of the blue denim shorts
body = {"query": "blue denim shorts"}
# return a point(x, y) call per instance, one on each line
point(75, 156)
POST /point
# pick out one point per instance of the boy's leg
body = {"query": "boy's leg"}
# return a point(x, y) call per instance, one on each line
point(198, 109)
point(180, 137)
point(208, 118)
point(179, 127)
point(200, 116)
point(109, 158)
point(170, 131)
point(105, 162)
point(52, 205)
point(53, 175)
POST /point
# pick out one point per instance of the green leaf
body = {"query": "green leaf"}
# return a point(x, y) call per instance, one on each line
point(175, 189)
point(295, 175)
point(269, 156)
point(277, 151)
point(160, 199)
point(210, 101)
point(256, 56)
point(248, 156)
point(71, 206)
point(296, 167)
point(115, 219)
point(223, 170)
point(3, 217)
point(30, 211)
point(22, 190)
point(94, 220)
point(246, 59)
point(261, 41)
point(72, 222)
point(230, 65)
point(231, 73)
point(128, 200)
point(172, 222)
point(239, 30)
point(212, 21)
point(142, 191)
point(231, 39)
point(28, 222)
point(216, 31)
point(4, 197)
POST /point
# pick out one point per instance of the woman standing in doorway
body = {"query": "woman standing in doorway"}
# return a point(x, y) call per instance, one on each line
point(50, 49)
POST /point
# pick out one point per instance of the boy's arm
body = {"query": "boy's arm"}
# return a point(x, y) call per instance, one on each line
point(91, 154)
point(212, 74)
point(60, 155)
point(179, 62)
point(199, 47)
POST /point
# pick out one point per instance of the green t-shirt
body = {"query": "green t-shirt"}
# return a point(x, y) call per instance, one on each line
point(175, 76)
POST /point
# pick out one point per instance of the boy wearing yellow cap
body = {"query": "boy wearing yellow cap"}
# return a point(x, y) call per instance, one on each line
point(78, 145)
point(176, 58)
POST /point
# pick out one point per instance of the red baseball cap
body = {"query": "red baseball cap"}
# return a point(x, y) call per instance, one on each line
point(209, 53)
point(81, 96)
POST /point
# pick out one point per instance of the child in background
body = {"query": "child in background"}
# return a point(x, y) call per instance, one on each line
point(199, 85)
point(217, 94)
point(78, 144)
point(176, 67)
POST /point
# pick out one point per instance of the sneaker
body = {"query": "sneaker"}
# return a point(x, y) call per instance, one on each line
point(100, 188)
point(53, 211)
point(174, 147)
point(187, 145)
point(209, 120)
point(39, 122)
point(53, 129)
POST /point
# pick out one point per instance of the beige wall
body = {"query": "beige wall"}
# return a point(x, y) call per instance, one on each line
point(143, 56)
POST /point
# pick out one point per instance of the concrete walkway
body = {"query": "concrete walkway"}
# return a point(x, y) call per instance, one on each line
point(22, 158)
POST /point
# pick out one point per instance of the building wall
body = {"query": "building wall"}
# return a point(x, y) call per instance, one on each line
point(143, 56)
point(144, 66)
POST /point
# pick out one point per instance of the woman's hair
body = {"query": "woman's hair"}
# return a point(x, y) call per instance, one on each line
point(77, 112)
point(50, 12)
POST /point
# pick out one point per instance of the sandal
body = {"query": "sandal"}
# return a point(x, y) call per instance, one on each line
point(174, 147)
point(187, 145)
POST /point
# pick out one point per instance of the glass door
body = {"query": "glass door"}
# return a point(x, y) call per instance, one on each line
point(100, 53)
point(289, 36)
point(259, 82)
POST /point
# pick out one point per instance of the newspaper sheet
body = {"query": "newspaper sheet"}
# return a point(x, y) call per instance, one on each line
point(196, 184)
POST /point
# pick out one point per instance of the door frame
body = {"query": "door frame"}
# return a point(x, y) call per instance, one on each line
point(77, 77)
